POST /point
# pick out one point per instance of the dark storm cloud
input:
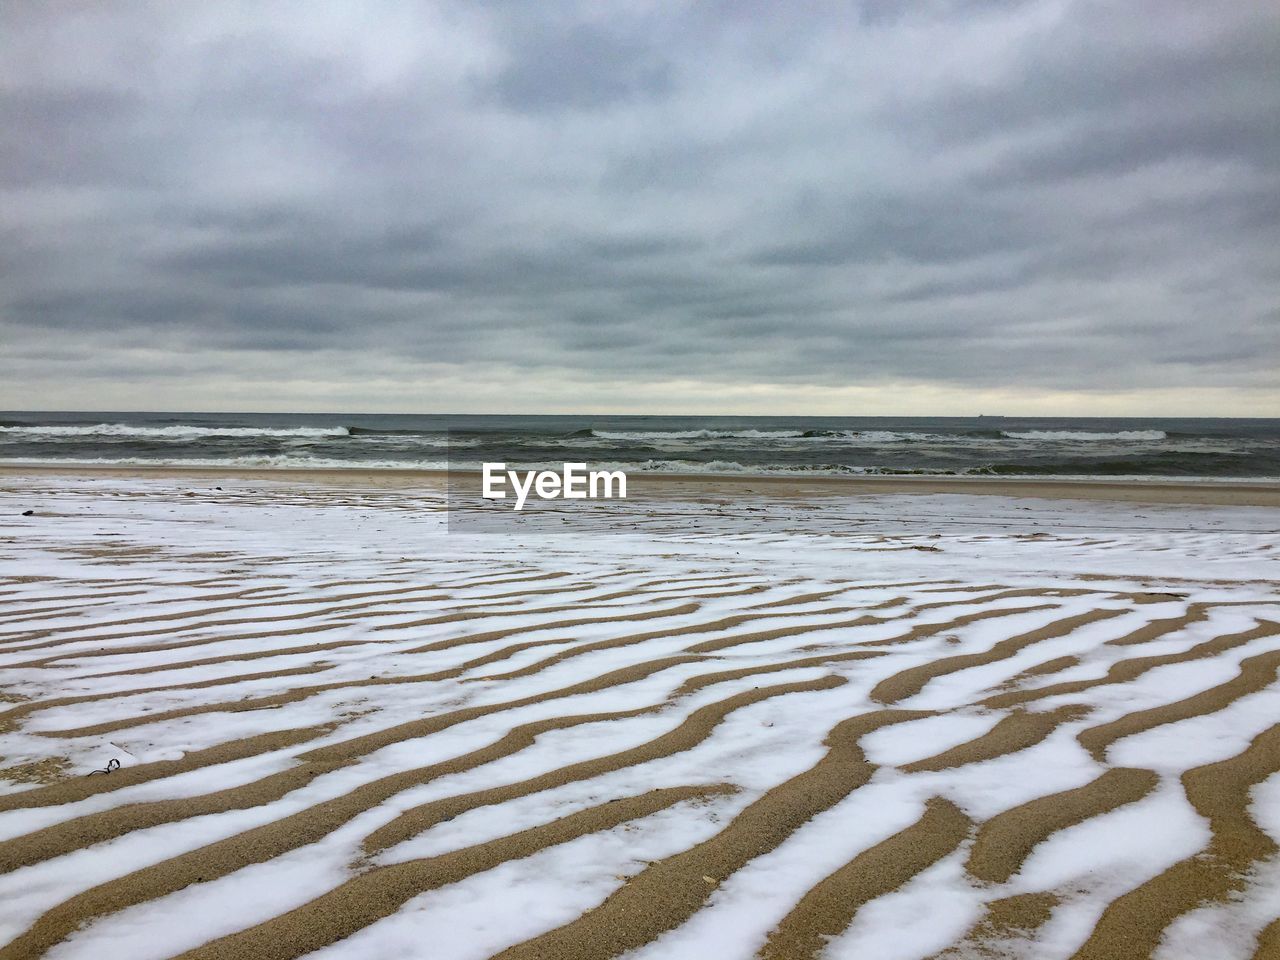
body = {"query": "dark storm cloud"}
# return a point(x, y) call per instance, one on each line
point(1054, 195)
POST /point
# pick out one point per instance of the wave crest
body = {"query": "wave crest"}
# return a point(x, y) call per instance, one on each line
point(1083, 435)
point(54, 432)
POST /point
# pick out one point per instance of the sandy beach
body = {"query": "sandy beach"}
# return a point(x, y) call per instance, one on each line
point(667, 486)
point(272, 715)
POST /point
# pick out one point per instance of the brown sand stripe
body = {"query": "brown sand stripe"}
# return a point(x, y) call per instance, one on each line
point(63, 608)
point(277, 837)
point(359, 746)
point(668, 892)
point(483, 605)
point(70, 835)
point(724, 623)
point(777, 633)
point(920, 630)
point(846, 587)
point(604, 619)
point(627, 640)
point(359, 601)
point(733, 588)
point(9, 718)
point(1133, 668)
point(96, 597)
point(926, 586)
point(956, 586)
point(311, 824)
point(829, 907)
point(318, 647)
point(228, 658)
point(351, 749)
point(69, 791)
point(1056, 665)
point(511, 650)
point(1056, 593)
point(479, 608)
point(1268, 947)
point(696, 728)
point(1009, 920)
point(491, 581)
point(296, 629)
point(912, 680)
point(616, 642)
point(268, 702)
point(257, 703)
point(708, 646)
point(364, 602)
point(704, 627)
point(488, 605)
point(175, 629)
point(801, 599)
point(899, 601)
point(1256, 673)
point(58, 923)
point(431, 621)
point(1134, 922)
point(694, 683)
point(1195, 613)
point(930, 629)
point(1005, 841)
point(821, 660)
point(1018, 731)
point(378, 893)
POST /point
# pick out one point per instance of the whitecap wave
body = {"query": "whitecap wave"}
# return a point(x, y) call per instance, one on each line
point(714, 467)
point(801, 436)
point(643, 435)
point(1084, 435)
point(179, 434)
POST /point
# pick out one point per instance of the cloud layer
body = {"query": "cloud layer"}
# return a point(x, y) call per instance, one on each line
point(1057, 205)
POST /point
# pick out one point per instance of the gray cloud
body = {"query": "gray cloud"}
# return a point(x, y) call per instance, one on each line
point(1051, 197)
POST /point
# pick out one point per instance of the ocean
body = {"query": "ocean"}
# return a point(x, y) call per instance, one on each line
point(976, 446)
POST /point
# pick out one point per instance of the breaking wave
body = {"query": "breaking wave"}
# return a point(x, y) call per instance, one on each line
point(643, 435)
point(1084, 435)
point(179, 434)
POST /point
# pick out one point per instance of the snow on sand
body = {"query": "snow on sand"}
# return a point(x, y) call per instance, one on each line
point(868, 726)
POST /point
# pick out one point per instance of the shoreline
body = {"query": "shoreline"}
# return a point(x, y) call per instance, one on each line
point(1201, 492)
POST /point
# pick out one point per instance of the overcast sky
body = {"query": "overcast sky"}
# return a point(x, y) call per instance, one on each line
point(991, 206)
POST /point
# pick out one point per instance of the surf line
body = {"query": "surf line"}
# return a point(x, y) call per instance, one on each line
point(573, 482)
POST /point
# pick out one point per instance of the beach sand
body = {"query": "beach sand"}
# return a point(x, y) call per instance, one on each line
point(654, 486)
point(889, 718)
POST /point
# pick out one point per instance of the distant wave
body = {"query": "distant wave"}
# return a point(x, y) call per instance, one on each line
point(372, 432)
point(713, 467)
point(189, 433)
point(643, 435)
point(847, 436)
point(126, 431)
point(1084, 435)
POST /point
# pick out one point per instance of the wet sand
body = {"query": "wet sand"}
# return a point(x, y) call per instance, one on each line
point(1222, 493)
